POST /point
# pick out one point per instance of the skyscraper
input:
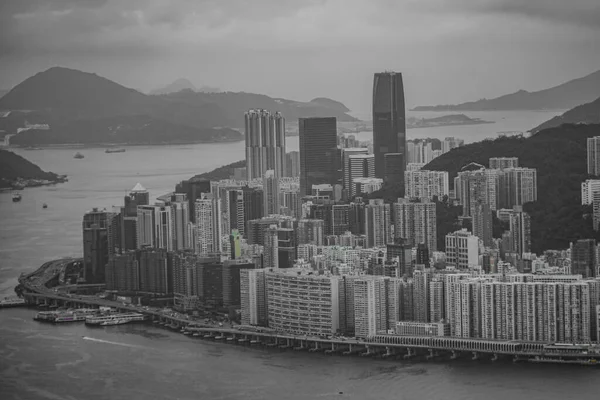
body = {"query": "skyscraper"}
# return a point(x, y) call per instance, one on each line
point(394, 166)
point(271, 254)
point(482, 223)
point(346, 153)
point(271, 193)
point(377, 223)
point(208, 226)
point(155, 227)
point(583, 257)
point(389, 125)
point(423, 184)
point(292, 164)
point(416, 223)
point(318, 149)
point(265, 143)
point(98, 243)
point(359, 166)
point(593, 155)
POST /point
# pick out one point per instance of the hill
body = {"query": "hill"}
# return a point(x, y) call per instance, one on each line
point(17, 171)
point(237, 103)
point(332, 104)
point(176, 86)
point(67, 99)
point(587, 114)
point(559, 155)
point(564, 96)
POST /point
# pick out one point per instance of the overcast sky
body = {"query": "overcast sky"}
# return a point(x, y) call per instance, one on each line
point(448, 50)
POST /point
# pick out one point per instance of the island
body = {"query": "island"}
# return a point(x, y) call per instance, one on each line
point(445, 120)
point(17, 173)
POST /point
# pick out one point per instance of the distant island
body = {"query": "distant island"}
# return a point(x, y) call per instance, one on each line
point(17, 173)
point(63, 106)
point(567, 95)
point(446, 120)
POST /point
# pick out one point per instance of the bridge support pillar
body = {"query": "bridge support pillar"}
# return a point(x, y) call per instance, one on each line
point(475, 356)
point(495, 357)
point(409, 353)
point(454, 355)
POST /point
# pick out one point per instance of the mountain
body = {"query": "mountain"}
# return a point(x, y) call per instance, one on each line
point(83, 107)
point(237, 103)
point(559, 155)
point(332, 104)
point(15, 169)
point(176, 86)
point(3, 92)
point(564, 96)
point(584, 114)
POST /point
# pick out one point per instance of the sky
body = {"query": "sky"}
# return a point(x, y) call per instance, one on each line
point(449, 51)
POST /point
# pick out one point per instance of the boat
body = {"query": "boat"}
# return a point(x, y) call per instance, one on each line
point(117, 321)
point(114, 151)
point(98, 320)
point(61, 316)
point(78, 155)
point(16, 197)
point(12, 302)
point(45, 205)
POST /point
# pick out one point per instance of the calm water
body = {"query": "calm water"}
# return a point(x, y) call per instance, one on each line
point(39, 361)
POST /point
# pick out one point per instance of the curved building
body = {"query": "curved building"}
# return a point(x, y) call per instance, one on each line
point(389, 125)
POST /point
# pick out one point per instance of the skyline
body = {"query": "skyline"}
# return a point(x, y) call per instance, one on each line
point(145, 45)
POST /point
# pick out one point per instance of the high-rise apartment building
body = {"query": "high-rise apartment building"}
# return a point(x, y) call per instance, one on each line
point(416, 223)
point(271, 193)
point(504, 162)
point(155, 227)
point(155, 271)
point(482, 222)
point(450, 143)
point(376, 304)
point(265, 143)
point(462, 249)
point(588, 189)
point(583, 258)
point(366, 185)
point(593, 155)
point(253, 296)
point(377, 223)
point(208, 226)
point(516, 186)
point(271, 252)
point(310, 231)
point(292, 164)
point(389, 124)
point(232, 281)
point(318, 152)
point(473, 189)
point(122, 272)
point(302, 303)
point(423, 184)
point(193, 188)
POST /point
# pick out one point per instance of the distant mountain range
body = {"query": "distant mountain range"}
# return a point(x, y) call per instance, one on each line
point(182, 84)
point(82, 107)
point(584, 114)
point(564, 96)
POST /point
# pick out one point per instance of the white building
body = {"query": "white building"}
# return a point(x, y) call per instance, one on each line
point(424, 184)
point(416, 222)
point(593, 155)
point(253, 297)
point(155, 227)
point(366, 185)
point(208, 225)
point(588, 188)
point(377, 223)
point(358, 166)
point(462, 249)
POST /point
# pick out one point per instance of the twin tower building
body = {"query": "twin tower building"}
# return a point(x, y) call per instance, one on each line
point(320, 158)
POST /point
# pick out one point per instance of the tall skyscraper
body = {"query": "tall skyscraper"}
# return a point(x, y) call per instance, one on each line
point(394, 166)
point(389, 125)
point(98, 243)
point(271, 193)
point(346, 153)
point(265, 143)
point(292, 164)
point(155, 273)
point(271, 254)
point(593, 155)
point(181, 218)
point(193, 188)
point(318, 149)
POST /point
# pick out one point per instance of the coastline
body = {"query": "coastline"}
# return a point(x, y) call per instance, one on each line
point(31, 183)
point(33, 147)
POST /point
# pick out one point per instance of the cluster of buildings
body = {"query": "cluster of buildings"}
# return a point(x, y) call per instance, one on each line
point(294, 242)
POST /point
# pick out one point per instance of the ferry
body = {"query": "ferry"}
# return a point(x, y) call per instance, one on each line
point(118, 321)
point(98, 320)
point(78, 315)
point(14, 302)
point(16, 197)
point(114, 151)
point(78, 155)
point(44, 205)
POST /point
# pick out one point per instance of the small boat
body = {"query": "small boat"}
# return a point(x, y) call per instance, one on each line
point(16, 197)
point(118, 321)
point(114, 151)
point(78, 155)
point(45, 205)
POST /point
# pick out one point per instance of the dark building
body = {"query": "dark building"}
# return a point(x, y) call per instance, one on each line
point(318, 152)
point(156, 273)
point(100, 231)
point(286, 247)
point(210, 283)
point(255, 230)
point(253, 204)
point(193, 188)
point(123, 272)
point(403, 252)
point(422, 255)
point(356, 217)
point(231, 281)
point(394, 166)
point(389, 125)
point(583, 258)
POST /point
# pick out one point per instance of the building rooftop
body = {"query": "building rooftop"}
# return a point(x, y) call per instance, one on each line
point(138, 188)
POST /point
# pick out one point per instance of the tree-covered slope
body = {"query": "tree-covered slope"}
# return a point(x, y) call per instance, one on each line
point(559, 155)
point(13, 167)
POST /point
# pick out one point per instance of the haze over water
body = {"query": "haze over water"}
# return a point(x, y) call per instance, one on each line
point(39, 361)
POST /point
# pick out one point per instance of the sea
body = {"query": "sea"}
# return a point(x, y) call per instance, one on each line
point(72, 361)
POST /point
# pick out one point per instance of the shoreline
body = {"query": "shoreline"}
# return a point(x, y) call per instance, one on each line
point(33, 147)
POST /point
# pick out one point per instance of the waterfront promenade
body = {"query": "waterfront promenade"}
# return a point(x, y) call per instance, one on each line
point(35, 290)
